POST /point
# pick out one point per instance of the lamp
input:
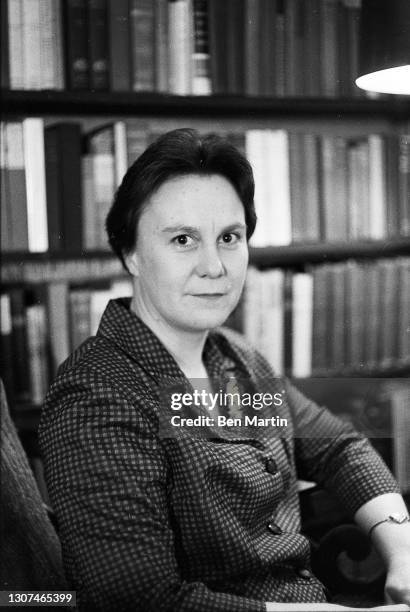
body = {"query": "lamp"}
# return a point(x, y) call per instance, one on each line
point(384, 52)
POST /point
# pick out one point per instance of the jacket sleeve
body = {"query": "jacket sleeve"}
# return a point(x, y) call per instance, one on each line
point(332, 453)
point(108, 475)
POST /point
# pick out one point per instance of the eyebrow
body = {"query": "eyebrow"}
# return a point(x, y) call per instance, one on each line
point(190, 229)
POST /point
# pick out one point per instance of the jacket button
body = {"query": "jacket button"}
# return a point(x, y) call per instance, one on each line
point(304, 573)
point(274, 528)
point(271, 466)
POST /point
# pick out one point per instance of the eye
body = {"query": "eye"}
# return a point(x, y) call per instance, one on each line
point(182, 240)
point(230, 238)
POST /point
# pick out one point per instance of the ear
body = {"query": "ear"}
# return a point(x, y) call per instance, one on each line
point(132, 263)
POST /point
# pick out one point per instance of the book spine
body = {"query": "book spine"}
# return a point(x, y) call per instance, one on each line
point(266, 47)
point(119, 45)
point(58, 323)
point(15, 32)
point(161, 46)
point(201, 71)
point(20, 346)
point(404, 184)
point(6, 346)
point(313, 58)
point(33, 138)
point(142, 45)
point(291, 82)
point(79, 313)
point(69, 144)
point(377, 187)
point(278, 215)
point(5, 220)
point(76, 44)
point(137, 141)
point(328, 49)
point(120, 151)
point(47, 42)
point(297, 187)
point(279, 52)
point(98, 44)
point(392, 204)
point(16, 185)
point(234, 49)
point(4, 45)
point(302, 317)
point(89, 234)
point(58, 45)
point(252, 77)
point(180, 44)
point(37, 352)
point(53, 189)
point(32, 44)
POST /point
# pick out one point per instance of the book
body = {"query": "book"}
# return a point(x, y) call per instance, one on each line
point(36, 322)
point(15, 38)
point(99, 144)
point(279, 225)
point(328, 48)
point(377, 187)
point(119, 45)
point(400, 417)
point(251, 47)
point(33, 139)
point(98, 53)
point(334, 187)
point(76, 44)
point(302, 324)
point(16, 187)
point(19, 342)
point(4, 45)
point(271, 298)
point(32, 44)
point(58, 323)
point(312, 56)
point(79, 315)
point(5, 219)
point(266, 43)
point(404, 184)
point(47, 51)
point(142, 39)
point(180, 46)
point(161, 45)
point(63, 176)
point(6, 345)
point(201, 70)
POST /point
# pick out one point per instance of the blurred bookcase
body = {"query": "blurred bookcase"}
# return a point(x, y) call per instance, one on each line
point(88, 84)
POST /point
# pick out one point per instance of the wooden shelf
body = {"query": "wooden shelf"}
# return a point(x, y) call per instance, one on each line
point(29, 103)
point(316, 253)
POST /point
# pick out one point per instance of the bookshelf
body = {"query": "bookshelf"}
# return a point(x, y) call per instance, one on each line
point(338, 111)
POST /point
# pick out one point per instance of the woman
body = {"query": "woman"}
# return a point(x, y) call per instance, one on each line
point(165, 519)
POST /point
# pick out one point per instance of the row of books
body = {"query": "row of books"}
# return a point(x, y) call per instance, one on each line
point(340, 318)
point(40, 326)
point(247, 47)
point(58, 184)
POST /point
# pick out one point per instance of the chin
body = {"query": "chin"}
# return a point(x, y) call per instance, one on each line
point(207, 320)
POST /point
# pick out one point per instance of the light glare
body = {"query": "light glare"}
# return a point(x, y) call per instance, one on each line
point(393, 80)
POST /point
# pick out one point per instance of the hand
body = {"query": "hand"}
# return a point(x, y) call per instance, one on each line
point(397, 587)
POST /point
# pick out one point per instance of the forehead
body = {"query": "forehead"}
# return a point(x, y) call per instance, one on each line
point(193, 199)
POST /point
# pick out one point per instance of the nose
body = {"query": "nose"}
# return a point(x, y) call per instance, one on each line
point(209, 263)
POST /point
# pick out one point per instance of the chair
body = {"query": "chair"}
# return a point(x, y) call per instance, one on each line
point(31, 555)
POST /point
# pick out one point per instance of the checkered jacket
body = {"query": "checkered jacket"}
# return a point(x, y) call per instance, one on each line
point(207, 523)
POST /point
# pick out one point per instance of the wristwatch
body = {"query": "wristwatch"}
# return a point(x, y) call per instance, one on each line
point(397, 518)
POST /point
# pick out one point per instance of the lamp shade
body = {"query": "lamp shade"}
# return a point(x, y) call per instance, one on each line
point(384, 52)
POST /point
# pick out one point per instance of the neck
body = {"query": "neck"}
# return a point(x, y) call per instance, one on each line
point(185, 347)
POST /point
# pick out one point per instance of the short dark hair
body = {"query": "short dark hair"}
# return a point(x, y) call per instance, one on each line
point(176, 153)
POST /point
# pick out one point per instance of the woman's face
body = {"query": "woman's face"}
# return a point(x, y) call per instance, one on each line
point(191, 254)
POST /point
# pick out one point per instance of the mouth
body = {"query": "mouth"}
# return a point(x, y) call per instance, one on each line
point(209, 296)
